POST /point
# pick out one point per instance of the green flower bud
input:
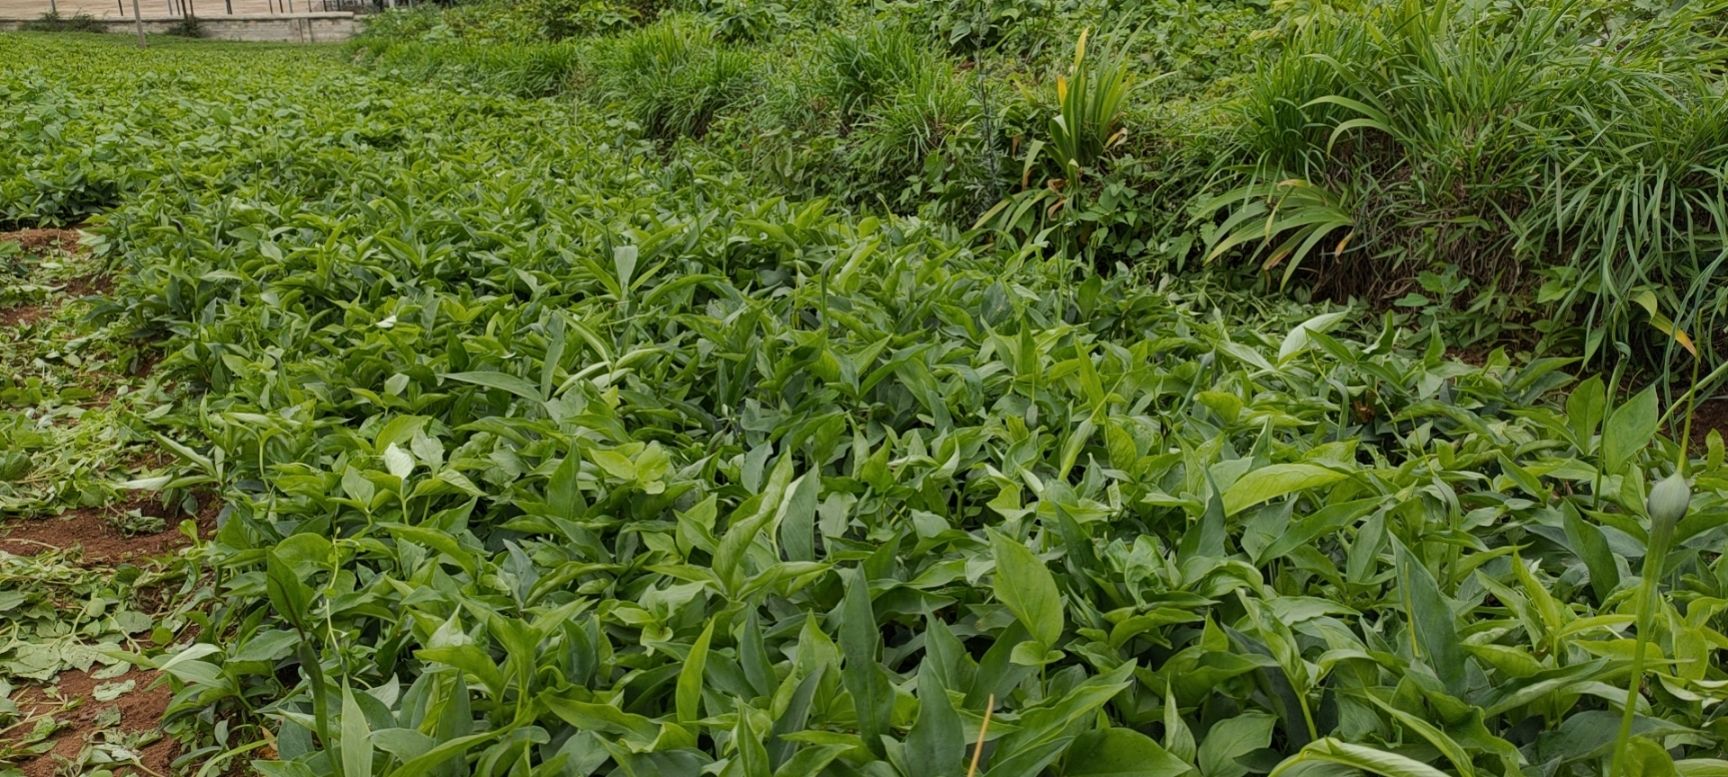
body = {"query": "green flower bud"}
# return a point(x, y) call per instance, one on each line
point(1668, 501)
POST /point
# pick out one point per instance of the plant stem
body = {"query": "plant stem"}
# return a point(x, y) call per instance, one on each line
point(1691, 394)
point(1647, 602)
point(1686, 428)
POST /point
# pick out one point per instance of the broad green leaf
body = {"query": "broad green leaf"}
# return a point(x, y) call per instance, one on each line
point(356, 738)
point(1367, 759)
point(398, 461)
point(1588, 541)
point(1584, 409)
point(1025, 585)
point(746, 524)
point(1447, 746)
point(798, 519)
point(1231, 739)
point(1121, 752)
point(601, 717)
point(287, 593)
point(1298, 339)
point(1431, 620)
point(564, 490)
point(1629, 429)
point(860, 642)
point(1273, 481)
point(1205, 538)
point(445, 753)
point(751, 758)
point(936, 745)
point(1178, 738)
point(1646, 758)
point(690, 676)
point(1701, 767)
point(470, 659)
point(498, 380)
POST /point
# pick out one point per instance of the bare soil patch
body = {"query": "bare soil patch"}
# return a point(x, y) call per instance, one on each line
point(36, 240)
point(1474, 356)
point(24, 315)
point(71, 700)
point(1711, 414)
point(93, 531)
point(129, 723)
point(40, 242)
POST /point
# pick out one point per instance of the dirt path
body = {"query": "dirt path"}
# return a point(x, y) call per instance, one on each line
point(78, 582)
point(103, 734)
point(94, 536)
point(107, 718)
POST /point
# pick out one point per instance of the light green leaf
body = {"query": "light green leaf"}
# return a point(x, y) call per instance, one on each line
point(1701, 767)
point(356, 742)
point(690, 676)
point(398, 461)
point(1231, 739)
point(498, 380)
point(1358, 757)
point(1273, 481)
point(1646, 758)
point(1025, 585)
point(1297, 341)
point(1121, 752)
point(1629, 429)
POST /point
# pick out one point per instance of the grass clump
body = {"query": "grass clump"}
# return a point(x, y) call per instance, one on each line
point(188, 27)
point(1538, 154)
point(672, 77)
point(54, 21)
point(500, 21)
point(913, 123)
point(517, 69)
point(864, 67)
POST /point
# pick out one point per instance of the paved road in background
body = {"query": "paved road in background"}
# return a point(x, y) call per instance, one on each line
point(30, 9)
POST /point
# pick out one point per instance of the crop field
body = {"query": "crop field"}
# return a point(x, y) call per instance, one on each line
point(782, 389)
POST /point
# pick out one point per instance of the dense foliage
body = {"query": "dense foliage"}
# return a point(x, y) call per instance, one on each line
point(1559, 159)
point(561, 441)
point(1573, 160)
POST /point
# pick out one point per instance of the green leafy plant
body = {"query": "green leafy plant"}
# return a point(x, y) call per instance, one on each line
point(746, 20)
point(1088, 120)
point(970, 26)
point(550, 446)
point(1083, 127)
point(519, 69)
